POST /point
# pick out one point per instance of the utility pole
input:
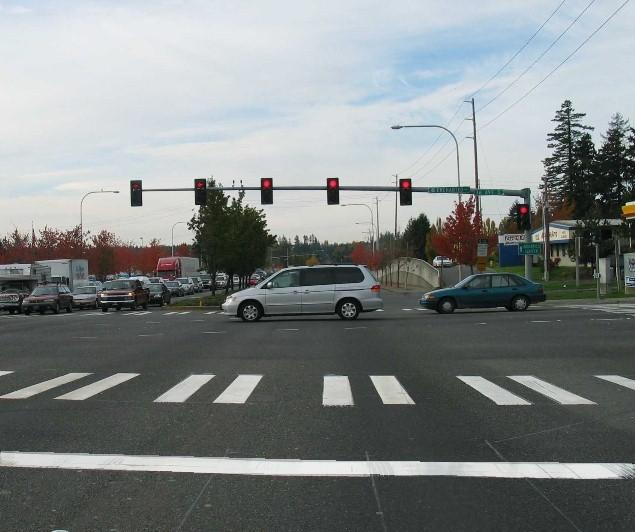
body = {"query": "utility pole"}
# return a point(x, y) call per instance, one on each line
point(545, 231)
point(377, 216)
point(476, 180)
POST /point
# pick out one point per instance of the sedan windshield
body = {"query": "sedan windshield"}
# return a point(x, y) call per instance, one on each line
point(156, 288)
point(118, 285)
point(183, 281)
point(464, 281)
point(45, 291)
point(85, 290)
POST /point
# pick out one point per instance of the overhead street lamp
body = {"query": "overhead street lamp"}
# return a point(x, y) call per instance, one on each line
point(372, 223)
point(173, 226)
point(456, 143)
point(81, 209)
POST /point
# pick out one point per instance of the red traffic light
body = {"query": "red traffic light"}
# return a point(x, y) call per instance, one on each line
point(406, 183)
point(135, 185)
point(333, 182)
point(266, 183)
point(199, 183)
point(523, 209)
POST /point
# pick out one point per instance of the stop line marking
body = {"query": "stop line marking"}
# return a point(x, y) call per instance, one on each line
point(318, 468)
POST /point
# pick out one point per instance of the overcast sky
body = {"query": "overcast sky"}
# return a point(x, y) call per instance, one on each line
point(93, 94)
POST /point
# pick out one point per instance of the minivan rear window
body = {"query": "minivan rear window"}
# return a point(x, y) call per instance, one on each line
point(348, 275)
point(317, 276)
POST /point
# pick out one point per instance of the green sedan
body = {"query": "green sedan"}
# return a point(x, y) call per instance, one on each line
point(485, 290)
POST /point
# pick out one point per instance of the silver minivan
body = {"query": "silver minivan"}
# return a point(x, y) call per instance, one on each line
point(343, 290)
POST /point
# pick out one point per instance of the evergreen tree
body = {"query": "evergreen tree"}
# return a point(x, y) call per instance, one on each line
point(415, 234)
point(561, 173)
point(614, 182)
point(585, 184)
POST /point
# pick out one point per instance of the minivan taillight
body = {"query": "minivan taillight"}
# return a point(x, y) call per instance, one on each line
point(375, 288)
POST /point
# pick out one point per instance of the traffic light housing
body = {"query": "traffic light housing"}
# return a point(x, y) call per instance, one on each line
point(333, 191)
point(523, 217)
point(136, 193)
point(266, 190)
point(200, 191)
point(405, 191)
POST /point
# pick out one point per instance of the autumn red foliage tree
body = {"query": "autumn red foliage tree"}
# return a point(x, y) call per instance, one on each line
point(460, 233)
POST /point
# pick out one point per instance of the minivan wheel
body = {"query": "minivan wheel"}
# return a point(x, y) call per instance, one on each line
point(520, 303)
point(348, 309)
point(250, 311)
point(446, 306)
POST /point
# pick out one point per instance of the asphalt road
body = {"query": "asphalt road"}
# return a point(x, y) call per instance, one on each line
point(390, 422)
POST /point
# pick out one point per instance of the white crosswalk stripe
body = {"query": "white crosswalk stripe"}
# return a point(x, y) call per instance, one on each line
point(337, 391)
point(5, 373)
point(390, 390)
point(549, 390)
point(169, 313)
point(616, 379)
point(141, 313)
point(492, 391)
point(239, 391)
point(93, 389)
point(30, 391)
point(610, 308)
point(184, 389)
point(212, 312)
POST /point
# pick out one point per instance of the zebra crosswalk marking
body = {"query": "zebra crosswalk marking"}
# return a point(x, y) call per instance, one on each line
point(390, 390)
point(239, 391)
point(616, 379)
point(492, 391)
point(95, 388)
point(184, 389)
point(549, 390)
point(30, 391)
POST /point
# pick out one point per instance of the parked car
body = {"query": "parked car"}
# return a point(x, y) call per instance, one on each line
point(188, 285)
point(52, 297)
point(12, 293)
point(156, 279)
point(145, 281)
point(221, 280)
point(236, 280)
point(85, 297)
point(485, 290)
point(206, 280)
point(176, 289)
point(442, 262)
point(198, 284)
point(159, 294)
point(97, 284)
point(344, 290)
point(123, 293)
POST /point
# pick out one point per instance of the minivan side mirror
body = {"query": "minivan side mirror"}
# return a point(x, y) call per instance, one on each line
point(269, 285)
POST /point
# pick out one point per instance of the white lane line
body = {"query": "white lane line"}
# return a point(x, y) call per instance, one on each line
point(30, 391)
point(549, 390)
point(318, 468)
point(422, 309)
point(212, 312)
point(198, 320)
point(492, 391)
point(617, 379)
point(152, 322)
point(5, 373)
point(214, 332)
point(287, 329)
point(337, 391)
point(540, 321)
point(184, 389)
point(84, 337)
point(169, 313)
point(97, 387)
point(239, 391)
point(606, 319)
point(183, 313)
point(141, 313)
point(481, 323)
point(146, 335)
point(390, 390)
point(380, 310)
point(406, 309)
point(354, 328)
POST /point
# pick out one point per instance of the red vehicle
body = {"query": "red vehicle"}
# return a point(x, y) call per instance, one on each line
point(123, 293)
point(174, 267)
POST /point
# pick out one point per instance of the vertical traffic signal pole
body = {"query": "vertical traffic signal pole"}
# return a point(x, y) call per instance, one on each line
point(528, 258)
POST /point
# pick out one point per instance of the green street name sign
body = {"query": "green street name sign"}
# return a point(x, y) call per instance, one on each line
point(443, 190)
point(490, 192)
point(529, 248)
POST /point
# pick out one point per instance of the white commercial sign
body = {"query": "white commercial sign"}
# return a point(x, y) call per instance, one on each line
point(629, 270)
point(554, 234)
point(511, 239)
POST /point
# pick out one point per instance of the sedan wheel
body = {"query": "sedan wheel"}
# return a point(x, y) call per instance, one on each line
point(520, 303)
point(446, 306)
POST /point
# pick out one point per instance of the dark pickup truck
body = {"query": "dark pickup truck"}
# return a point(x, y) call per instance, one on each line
point(12, 293)
point(123, 293)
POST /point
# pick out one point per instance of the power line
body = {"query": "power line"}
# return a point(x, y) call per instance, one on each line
point(545, 51)
point(520, 49)
point(553, 71)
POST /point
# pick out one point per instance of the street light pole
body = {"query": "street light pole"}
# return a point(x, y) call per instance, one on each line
point(372, 222)
point(456, 143)
point(81, 210)
point(173, 226)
